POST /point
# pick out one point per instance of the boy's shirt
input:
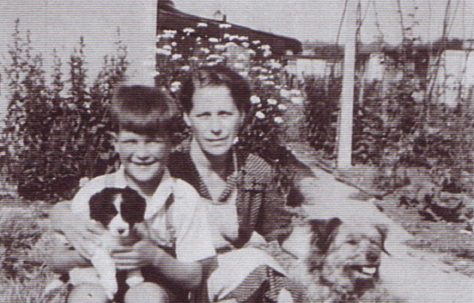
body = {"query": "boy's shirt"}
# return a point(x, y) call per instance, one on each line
point(181, 225)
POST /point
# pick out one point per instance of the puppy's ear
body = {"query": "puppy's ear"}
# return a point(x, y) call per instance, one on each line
point(133, 206)
point(101, 207)
point(383, 230)
point(324, 232)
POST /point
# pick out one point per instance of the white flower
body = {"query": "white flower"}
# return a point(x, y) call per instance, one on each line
point(278, 120)
point(256, 42)
point(167, 47)
point(255, 68)
point(243, 38)
point(175, 86)
point(282, 107)
point(251, 52)
point(260, 115)
point(168, 33)
point(268, 83)
point(244, 74)
point(215, 57)
point(193, 58)
point(188, 30)
point(274, 64)
point(267, 53)
point(201, 24)
point(245, 44)
point(205, 50)
point(213, 40)
point(226, 35)
point(198, 39)
point(296, 92)
point(264, 70)
point(230, 44)
point(242, 57)
point(173, 44)
point(176, 56)
point(220, 47)
point(162, 51)
point(185, 68)
point(254, 100)
point(225, 25)
point(285, 93)
point(262, 77)
point(272, 101)
point(233, 37)
point(297, 100)
point(265, 47)
point(239, 66)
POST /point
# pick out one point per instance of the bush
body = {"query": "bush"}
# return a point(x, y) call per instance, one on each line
point(180, 52)
point(55, 134)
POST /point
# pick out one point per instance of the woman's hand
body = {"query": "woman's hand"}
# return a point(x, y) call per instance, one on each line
point(141, 254)
point(83, 234)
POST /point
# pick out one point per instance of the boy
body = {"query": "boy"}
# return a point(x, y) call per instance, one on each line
point(143, 118)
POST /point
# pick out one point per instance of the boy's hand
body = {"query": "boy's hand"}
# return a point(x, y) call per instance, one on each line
point(141, 254)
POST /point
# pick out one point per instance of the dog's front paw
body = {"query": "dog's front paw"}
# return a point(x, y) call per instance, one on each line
point(134, 278)
point(110, 287)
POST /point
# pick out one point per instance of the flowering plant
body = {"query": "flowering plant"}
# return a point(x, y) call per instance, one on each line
point(180, 51)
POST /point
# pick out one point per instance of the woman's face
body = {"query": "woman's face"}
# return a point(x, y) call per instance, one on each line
point(214, 119)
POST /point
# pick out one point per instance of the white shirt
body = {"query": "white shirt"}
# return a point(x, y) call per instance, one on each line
point(183, 225)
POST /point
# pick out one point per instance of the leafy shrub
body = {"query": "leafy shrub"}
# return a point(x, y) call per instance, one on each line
point(54, 134)
point(180, 52)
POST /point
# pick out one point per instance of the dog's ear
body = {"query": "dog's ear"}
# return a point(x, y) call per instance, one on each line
point(133, 206)
point(324, 232)
point(383, 230)
point(101, 207)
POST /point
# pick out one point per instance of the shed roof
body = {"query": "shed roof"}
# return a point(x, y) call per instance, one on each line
point(171, 18)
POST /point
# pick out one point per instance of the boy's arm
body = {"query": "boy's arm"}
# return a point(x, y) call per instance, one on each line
point(64, 259)
point(145, 253)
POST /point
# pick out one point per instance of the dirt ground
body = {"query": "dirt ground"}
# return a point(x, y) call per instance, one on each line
point(430, 262)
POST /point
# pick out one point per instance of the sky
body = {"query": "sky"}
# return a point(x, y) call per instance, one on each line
point(58, 24)
point(319, 19)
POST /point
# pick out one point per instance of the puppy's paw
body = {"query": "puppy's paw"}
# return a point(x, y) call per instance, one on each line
point(134, 278)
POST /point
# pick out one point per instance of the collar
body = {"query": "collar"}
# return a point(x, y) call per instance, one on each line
point(161, 195)
point(158, 200)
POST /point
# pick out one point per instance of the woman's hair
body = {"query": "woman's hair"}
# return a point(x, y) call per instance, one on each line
point(143, 110)
point(217, 75)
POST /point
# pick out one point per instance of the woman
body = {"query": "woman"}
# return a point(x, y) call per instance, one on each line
point(245, 210)
point(243, 204)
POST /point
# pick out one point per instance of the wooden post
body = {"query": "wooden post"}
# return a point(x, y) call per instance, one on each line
point(141, 47)
point(344, 144)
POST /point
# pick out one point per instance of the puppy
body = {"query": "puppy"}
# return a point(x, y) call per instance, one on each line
point(335, 261)
point(120, 211)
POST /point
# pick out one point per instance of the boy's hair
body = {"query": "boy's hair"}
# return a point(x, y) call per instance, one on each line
point(218, 75)
point(143, 110)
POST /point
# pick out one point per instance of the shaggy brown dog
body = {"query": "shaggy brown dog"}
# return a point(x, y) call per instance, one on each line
point(335, 261)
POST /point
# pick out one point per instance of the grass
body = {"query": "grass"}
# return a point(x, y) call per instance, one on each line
point(25, 241)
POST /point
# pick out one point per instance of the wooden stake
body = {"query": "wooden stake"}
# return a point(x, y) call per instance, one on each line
point(344, 148)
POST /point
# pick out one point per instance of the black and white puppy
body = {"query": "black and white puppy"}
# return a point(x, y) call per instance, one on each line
point(119, 210)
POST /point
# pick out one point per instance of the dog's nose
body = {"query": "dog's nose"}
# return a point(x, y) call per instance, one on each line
point(372, 256)
point(121, 230)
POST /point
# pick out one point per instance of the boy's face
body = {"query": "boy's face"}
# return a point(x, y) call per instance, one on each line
point(143, 157)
